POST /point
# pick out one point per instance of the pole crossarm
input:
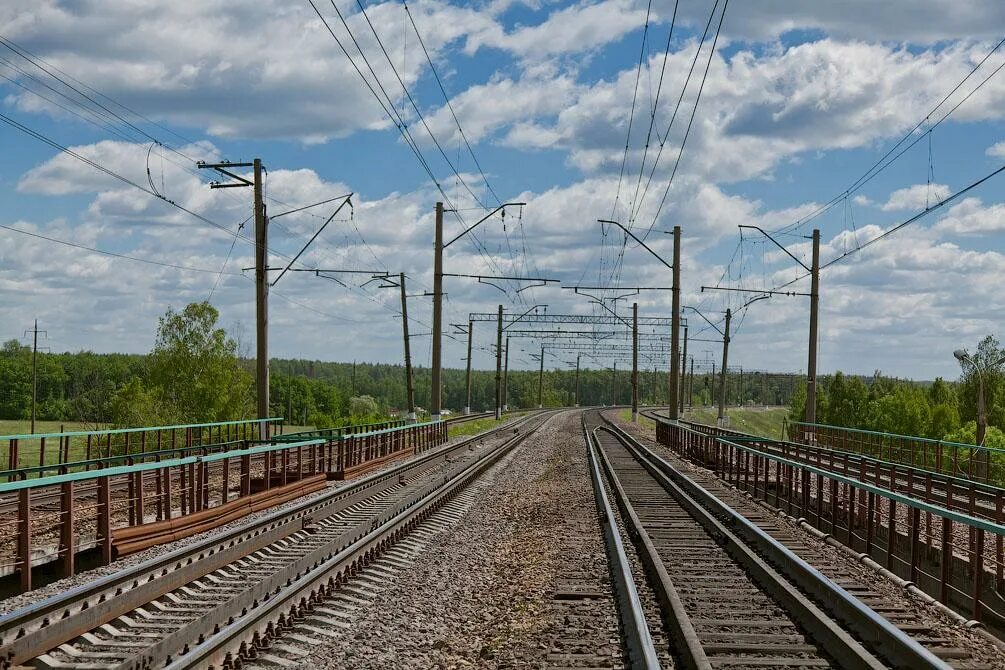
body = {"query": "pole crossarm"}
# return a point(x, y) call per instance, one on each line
point(532, 309)
point(316, 204)
point(589, 319)
point(777, 244)
point(765, 292)
point(224, 169)
point(616, 315)
point(641, 243)
point(482, 220)
point(507, 277)
point(620, 288)
point(348, 200)
point(485, 279)
point(698, 312)
point(589, 335)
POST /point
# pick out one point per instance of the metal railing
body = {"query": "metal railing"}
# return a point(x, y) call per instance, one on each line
point(45, 453)
point(972, 462)
point(949, 545)
point(168, 494)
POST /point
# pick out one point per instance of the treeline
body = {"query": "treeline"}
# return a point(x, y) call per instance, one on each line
point(194, 374)
point(940, 410)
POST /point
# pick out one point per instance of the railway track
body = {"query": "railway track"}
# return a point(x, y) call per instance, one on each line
point(730, 595)
point(922, 628)
point(224, 600)
point(976, 498)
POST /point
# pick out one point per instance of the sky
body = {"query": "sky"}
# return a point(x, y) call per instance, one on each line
point(700, 114)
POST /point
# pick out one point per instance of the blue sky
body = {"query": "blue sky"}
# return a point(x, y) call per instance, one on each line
point(800, 100)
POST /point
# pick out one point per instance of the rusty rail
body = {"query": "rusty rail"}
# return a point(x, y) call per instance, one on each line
point(53, 519)
point(944, 543)
point(41, 454)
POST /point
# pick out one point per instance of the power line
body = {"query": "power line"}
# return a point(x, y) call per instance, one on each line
point(881, 164)
point(673, 116)
point(694, 110)
point(113, 254)
point(97, 166)
point(903, 224)
point(652, 118)
point(631, 113)
point(450, 107)
point(397, 120)
point(408, 95)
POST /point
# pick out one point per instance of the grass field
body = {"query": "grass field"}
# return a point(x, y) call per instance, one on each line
point(762, 421)
point(478, 425)
point(626, 416)
point(23, 426)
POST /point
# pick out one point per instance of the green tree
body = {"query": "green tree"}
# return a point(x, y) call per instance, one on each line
point(903, 412)
point(364, 409)
point(848, 401)
point(988, 352)
point(136, 405)
point(194, 369)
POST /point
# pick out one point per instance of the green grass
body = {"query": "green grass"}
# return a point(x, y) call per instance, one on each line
point(478, 425)
point(761, 421)
point(23, 426)
point(626, 416)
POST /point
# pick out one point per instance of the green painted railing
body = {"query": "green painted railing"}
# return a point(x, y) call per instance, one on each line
point(32, 455)
point(973, 462)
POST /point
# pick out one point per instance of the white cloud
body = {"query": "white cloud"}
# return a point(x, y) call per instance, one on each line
point(285, 77)
point(917, 21)
point(584, 26)
point(757, 109)
point(996, 150)
point(918, 196)
point(971, 217)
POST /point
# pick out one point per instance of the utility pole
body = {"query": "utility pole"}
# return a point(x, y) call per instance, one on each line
point(438, 274)
point(811, 365)
point(434, 402)
point(34, 370)
point(409, 387)
point(725, 366)
point(540, 381)
point(577, 380)
point(635, 362)
point(499, 365)
point(690, 386)
point(683, 376)
point(471, 331)
point(353, 386)
point(261, 275)
point(506, 376)
point(712, 381)
point(675, 327)
point(614, 384)
point(261, 297)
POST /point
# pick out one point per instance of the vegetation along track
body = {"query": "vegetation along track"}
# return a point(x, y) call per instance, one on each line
point(224, 599)
point(732, 596)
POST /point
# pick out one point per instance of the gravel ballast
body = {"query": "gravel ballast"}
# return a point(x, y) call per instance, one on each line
point(521, 580)
point(983, 651)
point(54, 588)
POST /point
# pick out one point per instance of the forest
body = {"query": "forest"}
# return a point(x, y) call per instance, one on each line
point(939, 410)
point(194, 374)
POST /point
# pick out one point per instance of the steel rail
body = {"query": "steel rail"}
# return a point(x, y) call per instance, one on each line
point(641, 648)
point(34, 629)
point(804, 581)
point(285, 591)
point(686, 641)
